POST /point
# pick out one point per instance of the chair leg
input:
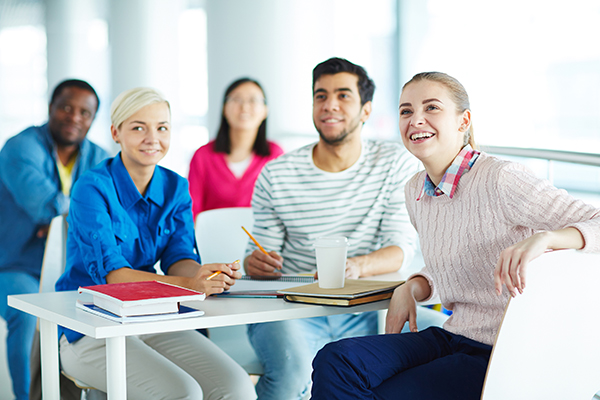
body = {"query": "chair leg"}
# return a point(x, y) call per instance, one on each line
point(94, 394)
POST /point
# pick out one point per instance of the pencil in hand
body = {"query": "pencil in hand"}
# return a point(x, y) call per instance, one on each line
point(218, 272)
point(258, 244)
point(255, 242)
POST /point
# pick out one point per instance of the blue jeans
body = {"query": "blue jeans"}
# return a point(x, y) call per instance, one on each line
point(286, 348)
point(21, 328)
point(431, 364)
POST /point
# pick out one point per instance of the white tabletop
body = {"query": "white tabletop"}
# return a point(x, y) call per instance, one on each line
point(59, 308)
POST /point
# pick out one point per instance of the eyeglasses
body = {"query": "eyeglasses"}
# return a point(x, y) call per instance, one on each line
point(253, 101)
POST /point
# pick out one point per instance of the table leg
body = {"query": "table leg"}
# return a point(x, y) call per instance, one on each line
point(116, 373)
point(49, 360)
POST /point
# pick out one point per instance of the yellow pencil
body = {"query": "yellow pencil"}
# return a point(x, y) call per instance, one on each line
point(255, 242)
point(218, 272)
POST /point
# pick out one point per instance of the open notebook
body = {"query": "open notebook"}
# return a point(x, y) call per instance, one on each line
point(265, 287)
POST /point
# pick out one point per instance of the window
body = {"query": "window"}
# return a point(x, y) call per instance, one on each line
point(532, 68)
point(23, 83)
point(189, 119)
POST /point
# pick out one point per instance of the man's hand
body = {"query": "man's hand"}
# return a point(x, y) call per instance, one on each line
point(43, 231)
point(353, 268)
point(258, 263)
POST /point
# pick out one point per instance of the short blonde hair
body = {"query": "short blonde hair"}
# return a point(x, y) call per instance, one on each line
point(131, 101)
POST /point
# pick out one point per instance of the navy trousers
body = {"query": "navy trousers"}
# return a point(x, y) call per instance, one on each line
point(432, 364)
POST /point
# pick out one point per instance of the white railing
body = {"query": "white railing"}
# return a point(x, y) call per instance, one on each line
point(551, 155)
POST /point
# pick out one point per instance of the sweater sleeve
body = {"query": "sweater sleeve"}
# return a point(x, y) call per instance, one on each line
point(534, 203)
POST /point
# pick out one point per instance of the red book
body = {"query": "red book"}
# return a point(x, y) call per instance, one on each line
point(140, 298)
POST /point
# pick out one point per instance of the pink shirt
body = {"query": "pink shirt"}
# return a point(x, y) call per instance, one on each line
point(213, 185)
point(495, 205)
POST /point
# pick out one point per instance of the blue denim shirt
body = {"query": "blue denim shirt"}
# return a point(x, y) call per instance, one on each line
point(30, 194)
point(111, 226)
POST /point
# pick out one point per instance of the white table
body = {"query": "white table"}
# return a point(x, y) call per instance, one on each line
point(59, 309)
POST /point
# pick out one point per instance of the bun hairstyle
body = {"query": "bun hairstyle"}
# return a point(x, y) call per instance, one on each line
point(457, 93)
point(131, 101)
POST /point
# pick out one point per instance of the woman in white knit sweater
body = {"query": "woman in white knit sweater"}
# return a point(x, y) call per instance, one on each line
point(480, 221)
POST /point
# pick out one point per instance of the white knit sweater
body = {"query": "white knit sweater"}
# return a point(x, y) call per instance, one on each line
point(496, 204)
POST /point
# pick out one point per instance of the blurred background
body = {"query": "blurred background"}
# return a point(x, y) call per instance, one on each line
point(532, 68)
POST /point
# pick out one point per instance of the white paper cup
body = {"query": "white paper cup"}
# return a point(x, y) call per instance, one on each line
point(331, 261)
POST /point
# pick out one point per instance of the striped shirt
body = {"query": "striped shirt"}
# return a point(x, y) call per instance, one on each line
point(460, 166)
point(295, 202)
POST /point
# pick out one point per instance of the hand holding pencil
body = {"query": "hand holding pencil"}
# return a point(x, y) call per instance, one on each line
point(218, 272)
point(261, 262)
point(214, 278)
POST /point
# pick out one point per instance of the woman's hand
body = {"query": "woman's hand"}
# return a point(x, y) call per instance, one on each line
point(403, 306)
point(512, 264)
point(219, 283)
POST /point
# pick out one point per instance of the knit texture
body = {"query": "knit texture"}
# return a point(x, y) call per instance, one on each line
point(496, 204)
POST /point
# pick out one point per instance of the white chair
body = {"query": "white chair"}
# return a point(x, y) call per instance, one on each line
point(55, 254)
point(220, 236)
point(547, 346)
point(221, 239)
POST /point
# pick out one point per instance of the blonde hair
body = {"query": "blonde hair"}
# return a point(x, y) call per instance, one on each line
point(457, 93)
point(131, 101)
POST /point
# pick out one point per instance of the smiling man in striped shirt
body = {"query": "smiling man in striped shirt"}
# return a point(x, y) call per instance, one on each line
point(342, 185)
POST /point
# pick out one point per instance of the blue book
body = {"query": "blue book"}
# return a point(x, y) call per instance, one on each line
point(184, 312)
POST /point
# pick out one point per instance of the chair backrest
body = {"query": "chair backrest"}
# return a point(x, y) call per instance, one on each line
point(55, 254)
point(220, 236)
point(547, 346)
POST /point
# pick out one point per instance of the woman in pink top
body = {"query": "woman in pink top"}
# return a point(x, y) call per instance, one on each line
point(223, 172)
point(480, 220)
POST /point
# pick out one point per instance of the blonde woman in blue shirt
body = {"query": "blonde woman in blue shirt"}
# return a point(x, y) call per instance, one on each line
point(126, 215)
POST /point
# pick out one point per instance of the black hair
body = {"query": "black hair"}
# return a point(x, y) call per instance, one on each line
point(223, 141)
point(335, 65)
point(74, 83)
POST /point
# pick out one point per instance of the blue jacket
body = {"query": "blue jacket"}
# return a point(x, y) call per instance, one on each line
point(30, 194)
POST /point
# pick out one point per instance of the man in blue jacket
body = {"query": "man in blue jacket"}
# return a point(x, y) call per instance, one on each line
point(37, 169)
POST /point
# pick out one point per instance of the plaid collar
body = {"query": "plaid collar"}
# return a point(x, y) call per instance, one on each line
point(460, 166)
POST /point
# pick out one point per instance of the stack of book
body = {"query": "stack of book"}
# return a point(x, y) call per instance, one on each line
point(354, 292)
point(140, 301)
